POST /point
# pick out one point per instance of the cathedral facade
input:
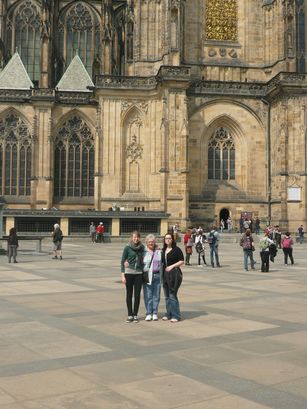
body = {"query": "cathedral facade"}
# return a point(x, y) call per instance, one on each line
point(164, 111)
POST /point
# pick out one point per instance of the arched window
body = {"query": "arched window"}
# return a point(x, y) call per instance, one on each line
point(221, 156)
point(79, 31)
point(15, 156)
point(24, 33)
point(222, 20)
point(74, 160)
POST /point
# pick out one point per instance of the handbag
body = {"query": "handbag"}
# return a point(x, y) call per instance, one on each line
point(145, 275)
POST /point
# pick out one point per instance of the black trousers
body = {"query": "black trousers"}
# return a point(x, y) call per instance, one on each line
point(133, 287)
point(288, 252)
point(265, 261)
point(201, 255)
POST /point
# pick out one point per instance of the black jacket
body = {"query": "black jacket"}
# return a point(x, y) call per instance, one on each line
point(12, 240)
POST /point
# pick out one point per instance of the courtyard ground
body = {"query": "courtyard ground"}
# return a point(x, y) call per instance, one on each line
point(64, 343)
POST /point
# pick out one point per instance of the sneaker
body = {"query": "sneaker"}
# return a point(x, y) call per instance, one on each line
point(199, 265)
point(165, 318)
point(155, 317)
point(148, 317)
point(135, 319)
point(129, 319)
point(174, 320)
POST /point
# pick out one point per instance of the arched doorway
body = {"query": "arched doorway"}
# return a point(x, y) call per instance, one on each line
point(224, 214)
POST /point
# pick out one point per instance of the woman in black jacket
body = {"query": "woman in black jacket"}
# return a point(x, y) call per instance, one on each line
point(12, 245)
point(172, 260)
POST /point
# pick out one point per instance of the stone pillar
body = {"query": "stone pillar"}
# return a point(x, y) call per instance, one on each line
point(46, 46)
point(163, 227)
point(115, 227)
point(64, 224)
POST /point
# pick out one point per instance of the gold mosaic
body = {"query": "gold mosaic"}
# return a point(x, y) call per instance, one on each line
point(222, 20)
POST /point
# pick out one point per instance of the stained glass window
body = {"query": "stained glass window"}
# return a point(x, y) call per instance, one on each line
point(15, 156)
point(74, 160)
point(221, 156)
point(222, 20)
point(79, 32)
point(24, 34)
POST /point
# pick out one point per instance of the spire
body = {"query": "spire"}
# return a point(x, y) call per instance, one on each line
point(75, 78)
point(14, 75)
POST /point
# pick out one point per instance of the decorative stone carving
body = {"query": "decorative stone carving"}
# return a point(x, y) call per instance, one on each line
point(142, 105)
point(212, 52)
point(134, 150)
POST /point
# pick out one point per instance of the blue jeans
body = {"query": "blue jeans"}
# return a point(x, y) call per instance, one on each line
point(171, 303)
point(214, 251)
point(248, 254)
point(152, 295)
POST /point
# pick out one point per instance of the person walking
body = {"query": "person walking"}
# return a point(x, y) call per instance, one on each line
point(152, 268)
point(188, 245)
point(301, 234)
point(247, 243)
point(131, 274)
point(287, 248)
point(93, 232)
point(213, 240)
point(172, 260)
point(264, 245)
point(12, 245)
point(200, 247)
point(57, 238)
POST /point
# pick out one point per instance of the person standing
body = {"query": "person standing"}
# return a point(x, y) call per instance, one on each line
point(172, 260)
point(213, 240)
point(301, 234)
point(264, 245)
point(99, 232)
point(222, 225)
point(57, 238)
point(277, 236)
point(93, 232)
point(287, 248)
point(152, 265)
point(131, 274)
point(247, 243)
point(257, 225)
point(200, 247)
point(12, 245)
point(188, 245)
point(229, 224)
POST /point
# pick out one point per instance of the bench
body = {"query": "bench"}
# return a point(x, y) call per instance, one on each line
point(38, 240)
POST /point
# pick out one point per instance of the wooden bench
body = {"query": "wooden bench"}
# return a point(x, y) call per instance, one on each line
point(37, 239)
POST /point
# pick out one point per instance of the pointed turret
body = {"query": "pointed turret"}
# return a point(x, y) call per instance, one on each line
point(75, 78)
point(14, 75)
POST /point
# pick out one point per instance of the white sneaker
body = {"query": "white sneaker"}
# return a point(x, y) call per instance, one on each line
point(155, 317)
point(199, 265)
point(148, 317)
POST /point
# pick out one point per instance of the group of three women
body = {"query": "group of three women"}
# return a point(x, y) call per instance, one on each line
point(159, 267)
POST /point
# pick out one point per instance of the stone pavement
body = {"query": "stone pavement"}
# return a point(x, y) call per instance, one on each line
point(64, 343)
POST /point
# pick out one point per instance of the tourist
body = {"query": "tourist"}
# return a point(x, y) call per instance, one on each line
point(172, 260)
point(247, 243)
point(93, 232)
point(287, 247)
point(276, 233)
point(99, 232)
point(264, 245)
point(188, 245)
point(257, 225)
point(222, 225)
point(213, 240)
point(301, 234)
point(199, 242)
point(57, 239)
point(12, 245)
point(229, 224)
point(131, 273)
point(152, 272)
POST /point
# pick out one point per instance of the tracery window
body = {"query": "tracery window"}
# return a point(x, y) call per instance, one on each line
point(74, 160)
point(15, 156)
point(221, 20)
point(24, 34)
point(221, 156)
point(79, 31)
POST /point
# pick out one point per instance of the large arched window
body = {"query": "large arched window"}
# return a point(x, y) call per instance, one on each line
point(222, 20)
point(15, 156)
point(221, 156)
point(74, 160)
point(79, 31)
point(24, 33)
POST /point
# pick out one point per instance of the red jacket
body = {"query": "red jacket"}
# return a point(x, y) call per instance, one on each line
point(100, 229)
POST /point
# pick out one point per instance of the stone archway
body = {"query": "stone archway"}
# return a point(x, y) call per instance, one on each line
point(224, 214)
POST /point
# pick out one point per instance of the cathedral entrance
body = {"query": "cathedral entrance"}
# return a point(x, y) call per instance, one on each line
point(224, 214)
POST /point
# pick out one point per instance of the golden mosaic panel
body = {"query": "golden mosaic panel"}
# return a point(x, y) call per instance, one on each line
point(222, 20)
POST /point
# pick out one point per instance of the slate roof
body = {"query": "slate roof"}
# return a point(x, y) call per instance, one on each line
point(75, 78)
point(14, 75)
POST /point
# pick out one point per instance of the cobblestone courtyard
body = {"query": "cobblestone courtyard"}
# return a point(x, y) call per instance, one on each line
point(64, 343)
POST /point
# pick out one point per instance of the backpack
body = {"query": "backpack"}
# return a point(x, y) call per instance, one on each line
point(246, 243)
point(286, 243)
point(199, 247)
point(211, 238)
point(263, 244)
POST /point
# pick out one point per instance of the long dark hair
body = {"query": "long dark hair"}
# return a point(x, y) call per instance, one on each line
point(173, 241)
point(12, 231)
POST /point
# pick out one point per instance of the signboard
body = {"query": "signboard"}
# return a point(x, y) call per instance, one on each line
point(294, 194)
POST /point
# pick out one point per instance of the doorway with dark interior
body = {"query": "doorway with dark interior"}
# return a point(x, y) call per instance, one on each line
point(224, 214)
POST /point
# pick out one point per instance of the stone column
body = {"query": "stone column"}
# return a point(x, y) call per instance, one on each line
point(115, 227)
point(64, 224)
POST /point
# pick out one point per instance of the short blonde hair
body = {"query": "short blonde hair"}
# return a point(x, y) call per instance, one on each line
point(150, 237)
